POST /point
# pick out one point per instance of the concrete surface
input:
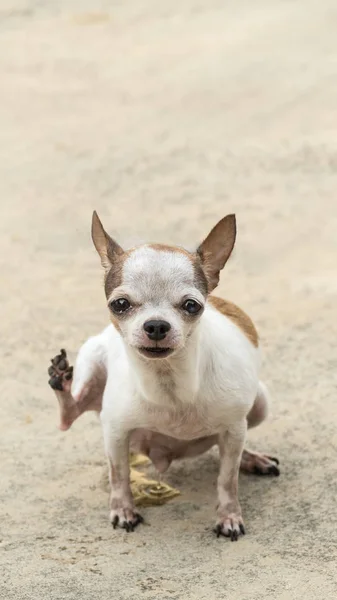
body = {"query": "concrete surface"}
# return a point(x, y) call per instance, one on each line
point(164, 116)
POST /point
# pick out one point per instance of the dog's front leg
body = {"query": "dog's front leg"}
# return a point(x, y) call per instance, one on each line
point(122, 507)
point(231, 443)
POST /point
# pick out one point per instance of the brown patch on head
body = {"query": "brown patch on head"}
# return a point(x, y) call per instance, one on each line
point(113, 258)
point(216, 249)
point(200, 279)
point(238, 317)
point(167, 248)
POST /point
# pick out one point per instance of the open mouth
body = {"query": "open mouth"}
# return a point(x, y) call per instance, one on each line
point(155, 352)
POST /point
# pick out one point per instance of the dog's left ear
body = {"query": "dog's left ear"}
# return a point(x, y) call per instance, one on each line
point(106, 247)
point(216, 249)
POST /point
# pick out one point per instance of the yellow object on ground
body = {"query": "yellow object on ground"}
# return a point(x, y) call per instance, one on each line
point(148, 492)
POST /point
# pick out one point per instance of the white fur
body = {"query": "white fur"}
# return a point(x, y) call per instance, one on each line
point(214, 377)
point(205, 389)
point(156, 282)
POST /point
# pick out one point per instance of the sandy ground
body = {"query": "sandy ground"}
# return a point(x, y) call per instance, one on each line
point(164, 116)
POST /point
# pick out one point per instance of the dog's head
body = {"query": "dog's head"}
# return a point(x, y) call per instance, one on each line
point(156, 294)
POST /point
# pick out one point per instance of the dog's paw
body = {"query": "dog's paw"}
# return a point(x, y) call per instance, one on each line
point(60, 373)
point(259, 464)
point(230, 526)
point(125, 518)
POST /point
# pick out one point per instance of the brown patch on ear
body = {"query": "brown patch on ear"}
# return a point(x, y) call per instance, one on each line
point(106, 247)
point(111, 253)
point(216, 249)
point(238, 317)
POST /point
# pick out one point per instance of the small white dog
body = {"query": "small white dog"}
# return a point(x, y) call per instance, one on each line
point(175, 373)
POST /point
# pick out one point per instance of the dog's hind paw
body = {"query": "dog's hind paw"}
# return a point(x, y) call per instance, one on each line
point(259, 464)
point(60, 373)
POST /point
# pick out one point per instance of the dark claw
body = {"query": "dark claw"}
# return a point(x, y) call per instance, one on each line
point(217, 530)
point(242, 529)
point(115, 521)
point(126, 526)
point(234, 535)
point(274, 470)
point(271, 470)
point(59, 358)
point(275, 460)
point(56, 383)
point(139, 519)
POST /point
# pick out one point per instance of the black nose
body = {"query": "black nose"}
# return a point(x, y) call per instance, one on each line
point(157, 330)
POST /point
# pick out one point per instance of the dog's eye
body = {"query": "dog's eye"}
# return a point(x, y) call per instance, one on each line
point(192, 307)
point(120, 305)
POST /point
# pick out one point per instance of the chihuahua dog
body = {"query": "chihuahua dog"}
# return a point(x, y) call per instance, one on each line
point(174, 374)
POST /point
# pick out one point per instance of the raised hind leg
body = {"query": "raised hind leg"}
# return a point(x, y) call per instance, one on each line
point(80, 389)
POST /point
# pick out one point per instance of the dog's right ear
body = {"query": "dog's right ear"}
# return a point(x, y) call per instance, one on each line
point(106, 247)
point(216, 249)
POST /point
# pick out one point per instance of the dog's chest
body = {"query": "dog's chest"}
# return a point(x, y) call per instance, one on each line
point(175, 408)
point(187, 400)
point(184, 422)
